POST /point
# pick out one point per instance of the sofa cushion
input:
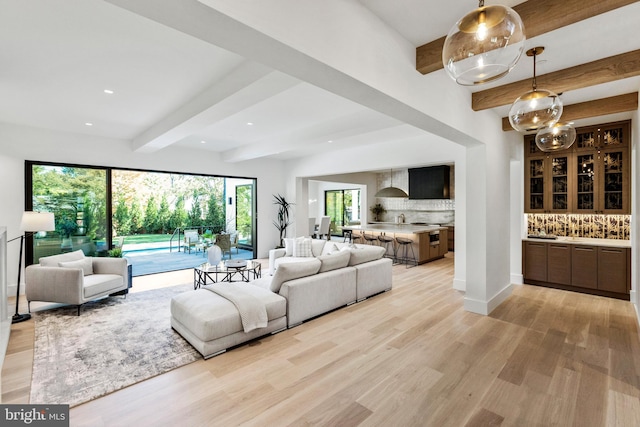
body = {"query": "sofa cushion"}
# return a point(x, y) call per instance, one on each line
point(100, 283)
point(317, 246)
point(302, 247)
point(86, 264)
point(334, 261)
point(52, 261)
point(365, 254)
point(295, 270)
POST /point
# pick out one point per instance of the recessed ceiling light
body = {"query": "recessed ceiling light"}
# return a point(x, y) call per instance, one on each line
point(330, 141)
point(249, 124)
point(109, 91)
point(88, 124)
point(203, 142)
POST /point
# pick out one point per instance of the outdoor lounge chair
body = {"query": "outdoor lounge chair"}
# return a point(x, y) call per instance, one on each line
point(191, 239)
point(224, 242)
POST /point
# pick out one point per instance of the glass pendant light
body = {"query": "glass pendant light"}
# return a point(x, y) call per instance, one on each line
point(484, 45)
point(537, 108)
point(557, 137)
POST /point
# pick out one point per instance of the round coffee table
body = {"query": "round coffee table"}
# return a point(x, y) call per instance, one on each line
point(226, 271)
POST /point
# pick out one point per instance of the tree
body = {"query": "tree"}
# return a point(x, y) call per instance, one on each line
point(215, 217)
point(122, 219)
point(136, 217)
point(150, 223)
point(195, 215)
point(164, 215)
point(179, 215)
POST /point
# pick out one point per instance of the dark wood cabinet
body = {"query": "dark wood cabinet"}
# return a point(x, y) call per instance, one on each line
point(590, 177)
point(559, 263)
point(584, 267)
point(535, 261)
point(450, 238)
point(601, 270)
point(613, 271)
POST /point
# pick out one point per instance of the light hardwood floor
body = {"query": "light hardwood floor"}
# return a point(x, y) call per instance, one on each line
point(408, 357)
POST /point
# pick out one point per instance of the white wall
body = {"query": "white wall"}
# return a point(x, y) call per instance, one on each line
point(18, 144)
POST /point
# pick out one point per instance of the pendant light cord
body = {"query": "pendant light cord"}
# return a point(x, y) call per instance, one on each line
point(535, 86)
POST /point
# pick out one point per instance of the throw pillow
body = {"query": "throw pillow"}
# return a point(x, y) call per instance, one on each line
point(53, 260)
point(332, 250)
point(86, 264)
point(288, 246)
point(293, 270)
point(302, 247)
point(336, 260)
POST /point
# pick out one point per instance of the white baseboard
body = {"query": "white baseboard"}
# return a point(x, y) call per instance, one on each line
point(486, 307)
point(460, 285)
point(517, 279)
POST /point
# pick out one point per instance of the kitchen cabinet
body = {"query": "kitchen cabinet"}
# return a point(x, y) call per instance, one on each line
point(559, 263)
point(571, 265)
point(614, 269)
point(584, 268)
point(590, 177)
point(450, 238)
point(535, 261)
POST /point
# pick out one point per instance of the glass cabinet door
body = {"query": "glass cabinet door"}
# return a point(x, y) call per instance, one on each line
point(585, 200)
point(614, 181)
point(535, 185)
point(560, 183)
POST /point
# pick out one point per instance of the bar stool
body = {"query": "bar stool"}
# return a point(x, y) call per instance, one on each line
point(405, 243)
point(355, 238)
point(385, 241)
point(369, 238)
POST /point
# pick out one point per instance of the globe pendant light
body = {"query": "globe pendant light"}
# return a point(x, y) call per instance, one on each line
point(484, 45)
point(537, 108)
point(557, 137)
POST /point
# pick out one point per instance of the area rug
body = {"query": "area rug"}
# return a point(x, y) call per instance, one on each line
point(114, 343)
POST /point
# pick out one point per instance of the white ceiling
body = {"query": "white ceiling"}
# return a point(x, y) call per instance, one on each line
point(58, 57)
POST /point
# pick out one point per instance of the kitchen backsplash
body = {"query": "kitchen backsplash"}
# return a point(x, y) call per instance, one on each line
point(592, 226)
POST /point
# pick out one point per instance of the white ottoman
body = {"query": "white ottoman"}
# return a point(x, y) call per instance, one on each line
point(212, 324)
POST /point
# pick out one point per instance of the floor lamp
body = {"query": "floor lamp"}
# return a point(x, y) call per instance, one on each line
point(32, 222)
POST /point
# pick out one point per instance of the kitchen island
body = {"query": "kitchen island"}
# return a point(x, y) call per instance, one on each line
point(429, 241)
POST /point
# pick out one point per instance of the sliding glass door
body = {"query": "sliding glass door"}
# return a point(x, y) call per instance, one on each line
point(98, 208)
point(343, 206)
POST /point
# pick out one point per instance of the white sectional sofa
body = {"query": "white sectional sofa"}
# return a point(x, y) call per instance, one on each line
point(302, 287)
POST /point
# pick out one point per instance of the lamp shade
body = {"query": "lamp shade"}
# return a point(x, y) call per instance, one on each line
point(484, 45)
point(391, 192)
point(37, 221)
point(560, 136)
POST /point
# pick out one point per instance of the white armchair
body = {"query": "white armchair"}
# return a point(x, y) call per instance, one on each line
point(72, 278)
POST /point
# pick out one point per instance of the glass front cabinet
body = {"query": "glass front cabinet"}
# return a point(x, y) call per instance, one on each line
point(590, 177)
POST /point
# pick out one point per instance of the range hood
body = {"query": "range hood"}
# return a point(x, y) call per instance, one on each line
point(429, 182)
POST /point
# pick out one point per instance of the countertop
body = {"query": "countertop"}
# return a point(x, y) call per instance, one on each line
point(395, 228)
point(616, 243)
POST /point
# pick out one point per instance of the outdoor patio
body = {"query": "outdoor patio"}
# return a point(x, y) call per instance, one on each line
point(156, 258)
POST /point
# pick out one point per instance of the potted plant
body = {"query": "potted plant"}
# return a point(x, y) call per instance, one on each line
point(377, 210)
point(283, 216)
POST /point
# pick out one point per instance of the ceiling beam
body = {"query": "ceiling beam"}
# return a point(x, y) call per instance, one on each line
point(593, 73)
point(538, 17)
point(595, 108)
